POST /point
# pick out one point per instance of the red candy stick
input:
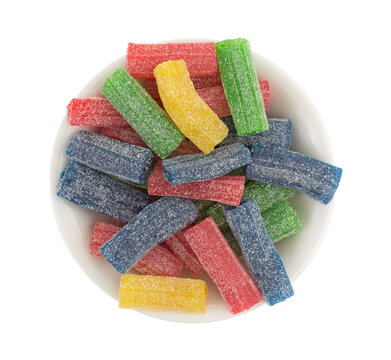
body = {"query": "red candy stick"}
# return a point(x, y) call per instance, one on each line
point(235, 285)
point(224, 189)
point(159, 261)
point(181, 248)
point(125, 135)
point(200, 58)
point(94, 111)
point(186, 147)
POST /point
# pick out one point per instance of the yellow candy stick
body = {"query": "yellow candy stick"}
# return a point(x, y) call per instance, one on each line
point(189, 112)
point(162, 293)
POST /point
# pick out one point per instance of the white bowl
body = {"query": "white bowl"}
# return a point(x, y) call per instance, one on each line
point(309, 137)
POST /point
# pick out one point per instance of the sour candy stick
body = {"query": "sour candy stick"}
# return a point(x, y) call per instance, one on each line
point(238, 290)
point(142, 59)
point(151, 226)
point(188, 111)
point(128, 136)
point(99, 192)
point(129, 162)
point(159, 261)
point(147, 118)
point(241, 86)
point(162, 293)
point(200, 167)
point(225, 189)
point(294, 171)
point(259, 252)
point(94, 111)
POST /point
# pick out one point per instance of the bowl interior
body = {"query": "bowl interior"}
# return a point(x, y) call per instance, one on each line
point(309, 137)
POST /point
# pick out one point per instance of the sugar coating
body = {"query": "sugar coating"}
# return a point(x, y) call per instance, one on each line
point(238, 290)
point(259, 253)
point(99, 192)
point(278, 135)
point(266, 195)
point(294, 171)
point(241, 86)
point(188, 111)
point(225, 189)
point(178, 244)
point(160, 261)
point(94, 111)
point(200, 167)
point(129, 162)
point(127, 135)
point(186, 147)
point(143, 185)
point(143, 58)
point(149, 227)
point(162, 293)
point(146, 117)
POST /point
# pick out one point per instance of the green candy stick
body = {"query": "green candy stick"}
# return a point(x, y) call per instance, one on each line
point(241, 86)
point(143, 114)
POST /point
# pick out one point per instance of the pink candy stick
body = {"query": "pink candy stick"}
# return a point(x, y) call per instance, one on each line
point(235, 285)
point(225, 189)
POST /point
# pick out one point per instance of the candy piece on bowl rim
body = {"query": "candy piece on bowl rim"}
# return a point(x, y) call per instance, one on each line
point(149, 227)
point(200, 167)
point(188, 111)
point(259, 253)
point(99, 192)
point(162, 293)
point(146, 117)
point(294, 171)
point(238, 290)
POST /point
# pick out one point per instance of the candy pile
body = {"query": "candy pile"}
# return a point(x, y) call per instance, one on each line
point(172, 164)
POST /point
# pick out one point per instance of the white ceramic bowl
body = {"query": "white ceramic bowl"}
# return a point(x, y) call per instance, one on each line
point(309, 137)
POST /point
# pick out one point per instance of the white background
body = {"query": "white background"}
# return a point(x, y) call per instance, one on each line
point(338, 51)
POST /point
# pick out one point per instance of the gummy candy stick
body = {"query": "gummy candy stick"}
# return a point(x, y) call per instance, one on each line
point(294, 171)
point(200, 58)
point(195, 119)
point(181, 248)
point(200, 167)
point(149, 227)
point(241, 86)
point(159, 261)
point(186, 147)
point(142, 113)
point(236, 287)
point(278, 135)
point(225, 189)
point(94, 111)
point(266, 195)
point(258, 251)
point(99, 192)
point(162, 293)
point(128, 136)
point(110, 156)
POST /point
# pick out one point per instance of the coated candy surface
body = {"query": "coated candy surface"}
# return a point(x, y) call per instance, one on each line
point(225, 189)
point(128, 136)
point(200, 167)
point(94, 111)
point(159, 261)
point(294, 171)
point(102, 193)
point(146, 117)
point(278, 135)
point(259, 253)
point(200, 58)
point(110, 156)
point(238, 290)
point(152, 225)
point(189, 112)
point(241, 86)
point(162, 293)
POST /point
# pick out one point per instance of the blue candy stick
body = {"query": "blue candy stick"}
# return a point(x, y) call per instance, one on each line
point(129, 162)
point(258, 251)
point(148, 228)
point(102, 193)
point(200, 167)
point(294, 171)
point(278, 135)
